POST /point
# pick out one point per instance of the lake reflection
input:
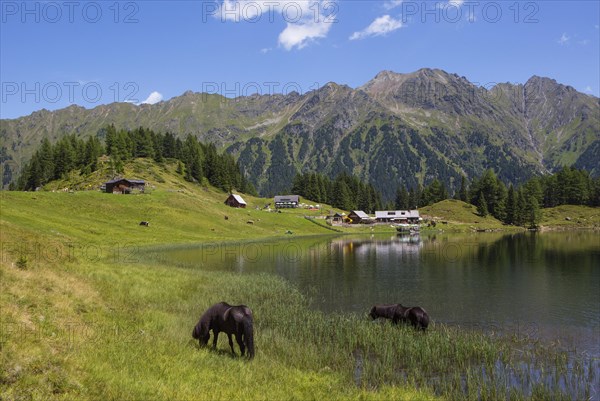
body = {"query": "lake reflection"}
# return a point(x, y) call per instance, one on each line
point(540, 284)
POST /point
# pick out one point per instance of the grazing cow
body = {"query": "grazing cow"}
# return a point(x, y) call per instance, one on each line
point(145, 223)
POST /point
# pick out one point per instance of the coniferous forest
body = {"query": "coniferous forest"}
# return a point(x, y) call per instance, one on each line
point(201, 162)
point(197, 160)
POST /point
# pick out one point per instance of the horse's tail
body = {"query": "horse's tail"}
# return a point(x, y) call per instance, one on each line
point(248, 335)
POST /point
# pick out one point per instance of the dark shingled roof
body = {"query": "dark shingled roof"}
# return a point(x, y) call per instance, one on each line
point(287, 198)
point(141, 182)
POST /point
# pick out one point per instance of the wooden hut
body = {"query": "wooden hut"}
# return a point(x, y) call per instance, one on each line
point(337, 219)
point(124, 186)
point(358, 216)
point(235, 200)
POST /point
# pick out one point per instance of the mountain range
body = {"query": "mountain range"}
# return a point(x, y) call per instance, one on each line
point(397, 129)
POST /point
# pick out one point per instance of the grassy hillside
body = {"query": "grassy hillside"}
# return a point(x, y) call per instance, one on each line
point(457, 215)
point(178, 212)
point(571, 217)
point(461, 216)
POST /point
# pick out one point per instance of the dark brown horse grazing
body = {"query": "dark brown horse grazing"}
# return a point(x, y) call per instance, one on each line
point(415, 315)
point(383, 310)
point(229, 319)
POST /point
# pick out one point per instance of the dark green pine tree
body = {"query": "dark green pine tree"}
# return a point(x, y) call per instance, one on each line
point(79, 147)
point(533, 212)
point(33, 174)
point(110, 138)
point(210, 163)
point(414, 197)
point(341, 195)
point(169, 148)
point(93, 150)
point(500, 200)
point(46, 161)
point(482, 208)
point(434, 192)
point(143, 144)
point(298, 184)
point(64, 158)
point(402, 199)
point(311, 191)
point(519, 219)
point(511, 206)
point(319, 188)
point(192, 159)
point(157, 145)
point(551, 191)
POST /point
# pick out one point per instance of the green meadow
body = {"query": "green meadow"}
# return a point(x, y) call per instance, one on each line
point(84, 314)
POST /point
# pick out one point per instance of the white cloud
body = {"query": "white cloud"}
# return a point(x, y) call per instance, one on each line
point(265, 50)
point(300, 35)
point(391, 4)
point(381, 26)
point(456, 3)
point(306, 20)
point(564, 39)
point(588, 89)
point(153, 98)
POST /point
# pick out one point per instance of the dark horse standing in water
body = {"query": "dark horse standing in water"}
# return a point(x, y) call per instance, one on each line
point(416, 315)
point(223, 317)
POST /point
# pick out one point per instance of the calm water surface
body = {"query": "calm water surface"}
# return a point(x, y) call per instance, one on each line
point(543, 285)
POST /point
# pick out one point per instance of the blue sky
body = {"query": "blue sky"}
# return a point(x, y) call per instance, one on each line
point(53, 54)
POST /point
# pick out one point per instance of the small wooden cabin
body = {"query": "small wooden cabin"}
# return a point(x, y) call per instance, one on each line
point(235, 200)
point(124, 186)
point(337, 219)
point(286, 201)
point(358, 216)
